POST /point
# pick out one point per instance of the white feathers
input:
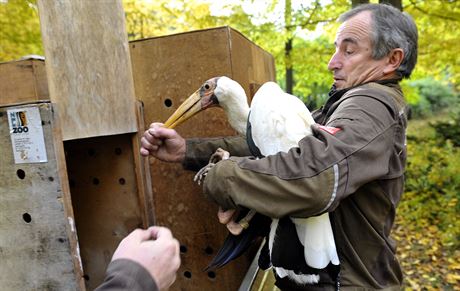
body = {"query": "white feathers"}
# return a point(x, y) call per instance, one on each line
point(233, 100)
point(315, 234)
point(279, 120)
point(300, 279)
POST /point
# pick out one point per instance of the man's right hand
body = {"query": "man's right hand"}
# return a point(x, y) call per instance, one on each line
point(163, 143)
point(156, 250)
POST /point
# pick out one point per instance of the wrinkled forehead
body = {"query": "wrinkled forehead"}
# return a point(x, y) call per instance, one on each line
point(356, 29)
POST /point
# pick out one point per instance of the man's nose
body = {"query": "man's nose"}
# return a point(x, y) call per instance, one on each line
point(334, 63)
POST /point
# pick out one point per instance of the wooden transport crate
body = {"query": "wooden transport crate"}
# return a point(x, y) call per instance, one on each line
point(38, 239)
point(166, 71)
point(23, 81)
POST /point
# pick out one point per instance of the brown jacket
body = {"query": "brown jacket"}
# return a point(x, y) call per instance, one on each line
point(352, 166)
point(124, 274)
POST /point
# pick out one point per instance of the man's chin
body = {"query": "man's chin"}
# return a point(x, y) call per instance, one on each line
point(339, 85)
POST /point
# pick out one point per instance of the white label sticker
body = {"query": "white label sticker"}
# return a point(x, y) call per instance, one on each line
point(27, 135)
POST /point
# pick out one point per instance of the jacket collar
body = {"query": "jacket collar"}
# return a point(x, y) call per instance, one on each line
point(334, 95)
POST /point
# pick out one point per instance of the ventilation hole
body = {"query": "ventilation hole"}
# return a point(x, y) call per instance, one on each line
point(86, 277)
point(168, 102)
point(1, 114)
point(43, 123)
point(51, 179)
point(122, 181)
point(133, 46)
point(91, 152)
point(21, 174)
point(118, 151)
point(183, 249)
point(208, 250)
point(211, 275)
point(27, 218)
point(71, 183)
point(188, 274)
point(95, 181)
point(61, 240)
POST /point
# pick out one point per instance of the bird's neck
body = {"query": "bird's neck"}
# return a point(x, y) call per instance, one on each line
point(237, 116)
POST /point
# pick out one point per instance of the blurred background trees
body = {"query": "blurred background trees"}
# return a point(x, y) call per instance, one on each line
point(300, 35)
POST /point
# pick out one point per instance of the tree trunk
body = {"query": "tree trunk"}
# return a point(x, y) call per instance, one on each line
point(288, 47)
point(395, 3)
point(289, 70)
point(355, 3)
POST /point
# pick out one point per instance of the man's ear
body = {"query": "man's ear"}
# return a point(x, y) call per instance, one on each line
point(394, 60)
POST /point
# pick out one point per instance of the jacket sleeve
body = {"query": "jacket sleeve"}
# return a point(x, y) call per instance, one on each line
point(198, 151)
point(354, 148)
point(124, 274)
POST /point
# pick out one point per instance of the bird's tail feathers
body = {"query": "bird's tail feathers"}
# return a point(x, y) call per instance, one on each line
point(315, 234)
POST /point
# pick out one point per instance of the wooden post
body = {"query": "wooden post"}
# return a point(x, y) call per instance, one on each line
point(88, 67)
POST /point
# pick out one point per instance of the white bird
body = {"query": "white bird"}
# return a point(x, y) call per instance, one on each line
point(279, 121)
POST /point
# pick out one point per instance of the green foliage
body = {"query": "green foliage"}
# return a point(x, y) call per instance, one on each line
point(427, 96)
point(436, 93)
point(427, 226)
point(449, 130)
point(19, 29)
point(438, 24)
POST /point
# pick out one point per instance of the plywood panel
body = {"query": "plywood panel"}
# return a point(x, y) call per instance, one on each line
point(23, 81)
point(38, 247)
point(105, 196)
point(166, 71)
point(88, 66)
point(252, 66)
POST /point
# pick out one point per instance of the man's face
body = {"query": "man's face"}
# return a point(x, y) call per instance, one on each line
point(352, 62)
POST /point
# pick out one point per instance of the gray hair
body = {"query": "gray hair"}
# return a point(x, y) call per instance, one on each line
point(390, 29)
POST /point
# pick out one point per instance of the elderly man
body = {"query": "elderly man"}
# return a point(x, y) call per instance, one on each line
point(352, 166)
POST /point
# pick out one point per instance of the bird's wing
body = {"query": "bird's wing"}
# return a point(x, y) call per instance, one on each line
point(279, 120)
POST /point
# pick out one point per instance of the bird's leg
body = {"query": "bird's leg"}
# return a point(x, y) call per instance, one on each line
point(219, 155)
point(227, 217)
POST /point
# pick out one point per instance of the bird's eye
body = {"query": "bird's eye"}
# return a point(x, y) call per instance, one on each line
point(206, 86)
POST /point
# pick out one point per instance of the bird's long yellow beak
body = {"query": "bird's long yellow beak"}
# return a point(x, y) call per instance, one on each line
point(187, 109)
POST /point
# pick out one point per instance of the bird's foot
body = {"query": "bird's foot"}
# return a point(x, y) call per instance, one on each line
point(199, 177)
point(217, 156)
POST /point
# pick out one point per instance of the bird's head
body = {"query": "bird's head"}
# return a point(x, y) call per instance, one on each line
point(216, 91)
point(203, 98)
